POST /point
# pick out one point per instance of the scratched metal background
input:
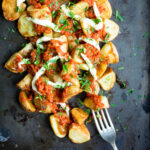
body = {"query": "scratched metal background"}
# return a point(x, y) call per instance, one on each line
point(29, 131)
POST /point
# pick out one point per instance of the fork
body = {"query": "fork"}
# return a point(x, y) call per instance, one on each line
point(105, 127)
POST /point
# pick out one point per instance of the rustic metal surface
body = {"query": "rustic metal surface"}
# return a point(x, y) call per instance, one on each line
point(29, 131)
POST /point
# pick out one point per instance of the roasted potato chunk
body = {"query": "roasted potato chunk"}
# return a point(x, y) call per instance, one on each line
point(42, 105)
point(78, 133)
point(11, 63)
point(79, 115)
point(111, 28)
point(70, 91)
point(10, 10)
point(89, 102)
point(25, 26)
point(59, 129)
point(25, 102)
point(79, 8)
point(39, 13)
point(109, 50)
point(93, 86)
point(108, 79)
point(105, 7)
point(25, 83)
point(100, 69)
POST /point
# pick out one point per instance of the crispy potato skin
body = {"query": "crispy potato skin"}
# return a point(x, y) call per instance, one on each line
point(100, 68)
point(22, 53)
point(78, 133)
point(108, 79)
point(109, 50)
point(9, 65)
point(72, 91)
point(25, 26)
point(88, 102)
point(25, 102)
point(111, 28)
point(106, 7)
point(41, 106)
point(59, 130)
point(9, 9)
point(26, 81)
point(79, 115)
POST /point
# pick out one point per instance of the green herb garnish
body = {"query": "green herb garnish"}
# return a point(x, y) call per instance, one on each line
point(118, 16)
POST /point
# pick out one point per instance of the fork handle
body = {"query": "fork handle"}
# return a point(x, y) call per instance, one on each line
point(114, 146)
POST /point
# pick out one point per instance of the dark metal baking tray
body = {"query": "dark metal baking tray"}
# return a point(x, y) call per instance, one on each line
point(30, 131)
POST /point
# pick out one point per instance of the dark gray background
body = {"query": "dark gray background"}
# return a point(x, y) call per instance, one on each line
point(30, 131)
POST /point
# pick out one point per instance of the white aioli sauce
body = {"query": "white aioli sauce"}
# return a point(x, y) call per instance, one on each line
point(67, 109)
point(67, 12)
point(40, 73)
point(59, 85)
point(45, 23)
point(91, 41)
point(22, 63)
point(19, 2)
point(91, 66)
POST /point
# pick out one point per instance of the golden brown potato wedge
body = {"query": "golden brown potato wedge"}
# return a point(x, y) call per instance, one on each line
point(59, 129)
point(93, 86)
point(109, 50)
point(25, 82)
point(10, 10)
point(78, 133)
point(111, 28)
point(72, 43)
point(104, 8)
point(25, 102)
point(76, 54)
point(70, 92)
point(22, 53)
point(42, 105)
point(25, 26)
point(108, 79)
point(79, 115)
point(79, 8)
point(10, 64)
point(88, 102)
point(100, 69)
point(39, 13)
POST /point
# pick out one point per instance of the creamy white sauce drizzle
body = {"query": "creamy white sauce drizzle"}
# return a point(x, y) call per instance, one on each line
point(91, 66)
point(66, 108)
point(91, 41)
point(45, 23)
point(41, 72)
point(62, 38)
point(59, 85)
point(96, 11)
point(69, 13)
point(19, 2)
point(22, 63)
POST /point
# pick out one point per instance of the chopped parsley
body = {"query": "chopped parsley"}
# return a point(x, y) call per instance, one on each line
point(120, 68)
point(139, 47)
point(96, 21)
point(80, 102)
point(87, 110)
point(139, 96)
point(101, 59)
point(113, 105)
point(118, 16)
point(71, 15)
point(98, 116)
point(146, 34)
point(65, 68)
point(131, 91)
point(11, 30)
point(54, 13)
point(18, 9)
point(85, 83)
point(106, 38)
point(81, 50)
point(41, 1)
point(134, 54)
point(77, 41)
point(26, 61)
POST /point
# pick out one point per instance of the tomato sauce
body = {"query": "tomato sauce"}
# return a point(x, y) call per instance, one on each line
point(41, 29)
point(16, 66)
point(97, 100)
point(63, 119)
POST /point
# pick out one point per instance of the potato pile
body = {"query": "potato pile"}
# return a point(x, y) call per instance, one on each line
point(63, 59)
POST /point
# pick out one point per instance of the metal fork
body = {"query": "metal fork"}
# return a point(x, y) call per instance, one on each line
point(105, 127)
